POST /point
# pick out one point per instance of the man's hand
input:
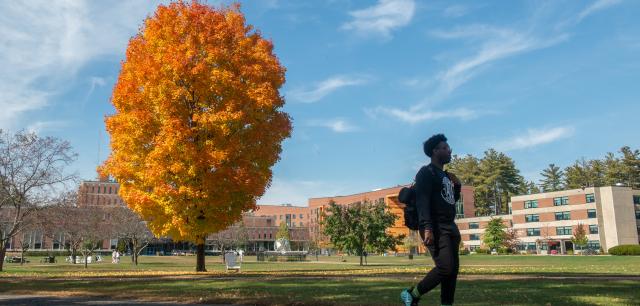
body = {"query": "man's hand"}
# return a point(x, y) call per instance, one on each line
point(454, 178)
point(428, 238)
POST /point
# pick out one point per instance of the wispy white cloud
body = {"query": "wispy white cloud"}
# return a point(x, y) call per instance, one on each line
point(336, 125)
point(498, 43)
point(414, 117)
point(596, 6)
point(382, 18)
point(46, 126)
point(45, 43)
point(96, 82)
point(455, 11)
point(535, 137)
point(324, 88)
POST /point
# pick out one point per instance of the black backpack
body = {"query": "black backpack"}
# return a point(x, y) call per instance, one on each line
point(407, 196)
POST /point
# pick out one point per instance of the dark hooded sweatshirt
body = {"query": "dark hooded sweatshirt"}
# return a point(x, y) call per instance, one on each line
point(436, 198)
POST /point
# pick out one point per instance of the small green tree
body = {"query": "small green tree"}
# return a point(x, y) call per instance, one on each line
point(494, 234)
point(412, 241)
point(359, 227)
point(283, 231)
point(580, 238)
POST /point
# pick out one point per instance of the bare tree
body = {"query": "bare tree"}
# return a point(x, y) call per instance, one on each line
point(128, 225)
point(32, 172)
point(93, 229)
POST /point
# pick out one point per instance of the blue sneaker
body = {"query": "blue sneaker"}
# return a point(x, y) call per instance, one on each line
point(407, 298)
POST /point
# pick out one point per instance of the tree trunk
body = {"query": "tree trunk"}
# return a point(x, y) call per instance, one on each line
point(200, 258)
point(134, 252)
point(3, 252)
point(361, 258)
point(85, 261)
point(22, 257)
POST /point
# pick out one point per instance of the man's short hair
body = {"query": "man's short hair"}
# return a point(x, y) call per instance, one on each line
point(432, 143)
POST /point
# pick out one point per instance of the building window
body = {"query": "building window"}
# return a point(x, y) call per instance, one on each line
point(269, 235)
point(301, 223)
point(638, 214)
point(591, 213)
point(532, 218)
point(636, 199)
point(560, 201)
point(300, 216)
point(590, 197)
point(563, 215)
point(58, 241)
point(474, 225)
point(294, 216)
point(563, 230)
point(460, 208)
point(593, 229)
point(593, 244)
point(529, 246)
point(474, 237)
point(533, 232)
point(531, 204)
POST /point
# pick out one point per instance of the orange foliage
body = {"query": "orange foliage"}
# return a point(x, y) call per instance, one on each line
point(198, 121)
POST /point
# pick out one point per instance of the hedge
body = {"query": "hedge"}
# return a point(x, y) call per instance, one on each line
point(625, 249)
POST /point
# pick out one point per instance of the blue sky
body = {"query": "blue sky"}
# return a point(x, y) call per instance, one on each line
point(367, 81)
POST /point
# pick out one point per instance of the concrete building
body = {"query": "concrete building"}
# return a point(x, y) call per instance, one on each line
point(545, 222)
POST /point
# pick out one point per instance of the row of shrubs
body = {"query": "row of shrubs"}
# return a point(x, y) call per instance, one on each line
point(625, 249)
point(54, 253)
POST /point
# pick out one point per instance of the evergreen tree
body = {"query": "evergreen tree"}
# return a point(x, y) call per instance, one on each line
point(466, 168)
point(579, 175)
point(630, 161)
point(553, 178)
point(613, 170)
point(500, 180)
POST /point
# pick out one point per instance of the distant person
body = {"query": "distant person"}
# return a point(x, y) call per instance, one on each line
point(117, 257)
point(113, 256)
point(436, 194)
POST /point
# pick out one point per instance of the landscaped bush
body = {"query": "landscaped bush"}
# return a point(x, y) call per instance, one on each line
point(504, 251)
point(483, 251)
point(625, 249)
point(464, 252)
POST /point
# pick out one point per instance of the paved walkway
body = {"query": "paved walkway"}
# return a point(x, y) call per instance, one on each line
point(38, 300)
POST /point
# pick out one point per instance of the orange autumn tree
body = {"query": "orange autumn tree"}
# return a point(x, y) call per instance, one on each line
point(198, 121)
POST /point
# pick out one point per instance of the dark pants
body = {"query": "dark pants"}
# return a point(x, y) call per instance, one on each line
point(444, 252)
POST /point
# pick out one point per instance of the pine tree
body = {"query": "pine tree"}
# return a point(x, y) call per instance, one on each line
point(553, 178)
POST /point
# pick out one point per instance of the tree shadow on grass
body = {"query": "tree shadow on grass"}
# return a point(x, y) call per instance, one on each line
point(383, 290)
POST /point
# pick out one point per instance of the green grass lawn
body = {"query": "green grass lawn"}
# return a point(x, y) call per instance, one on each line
point(484, 280)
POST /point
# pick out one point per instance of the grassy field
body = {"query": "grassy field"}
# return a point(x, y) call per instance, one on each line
point(484, 280)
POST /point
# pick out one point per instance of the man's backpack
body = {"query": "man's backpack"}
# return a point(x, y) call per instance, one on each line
point(408, 197)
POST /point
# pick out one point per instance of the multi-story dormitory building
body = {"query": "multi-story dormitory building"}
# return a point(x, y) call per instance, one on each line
point(261, 226)
point(544, 222)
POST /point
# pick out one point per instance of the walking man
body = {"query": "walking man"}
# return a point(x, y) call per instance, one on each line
point(436, 194)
